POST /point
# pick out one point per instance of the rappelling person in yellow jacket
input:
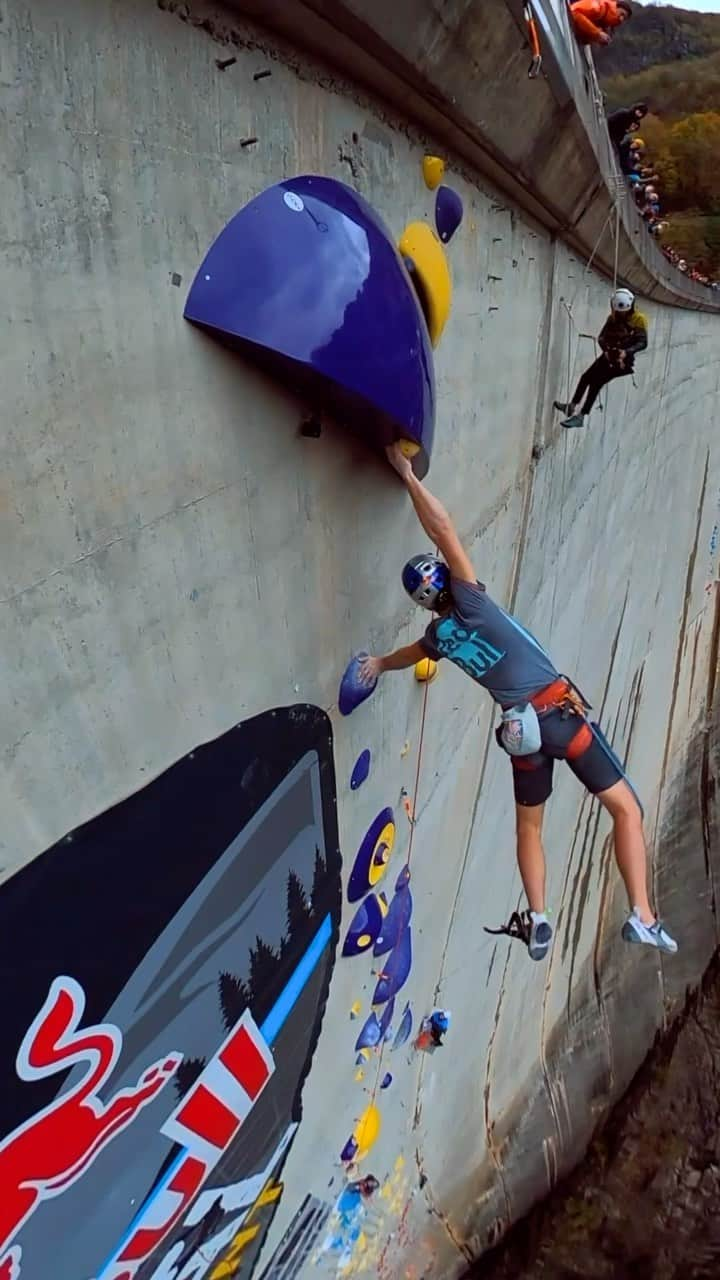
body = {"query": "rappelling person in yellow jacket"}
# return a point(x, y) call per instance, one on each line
point(623, 336)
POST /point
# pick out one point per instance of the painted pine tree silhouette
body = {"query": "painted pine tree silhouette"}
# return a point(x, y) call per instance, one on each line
point(234, 999)
point(318, 892)
point(186, 1074)
point(298, 911)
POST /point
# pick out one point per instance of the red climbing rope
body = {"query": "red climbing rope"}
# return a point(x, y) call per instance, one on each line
point(413, 815)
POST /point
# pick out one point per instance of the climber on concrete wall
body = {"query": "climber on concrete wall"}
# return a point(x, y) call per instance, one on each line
point(543, 715)
point(594, 20)
point(624, 334)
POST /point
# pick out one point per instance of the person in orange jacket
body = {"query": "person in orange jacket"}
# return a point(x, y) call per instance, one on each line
point(593, 20)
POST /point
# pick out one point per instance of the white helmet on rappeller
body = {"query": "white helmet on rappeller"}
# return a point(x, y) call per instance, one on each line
point(622, 300)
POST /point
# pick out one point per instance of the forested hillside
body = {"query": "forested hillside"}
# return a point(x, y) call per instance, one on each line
point(659, 34)
point(670, 58)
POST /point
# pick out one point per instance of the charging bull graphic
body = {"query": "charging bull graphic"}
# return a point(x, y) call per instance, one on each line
point(199, 921)
point(54, 1148)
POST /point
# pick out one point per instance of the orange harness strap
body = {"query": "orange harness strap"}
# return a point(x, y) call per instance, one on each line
point(580, 743)
point(561, 694)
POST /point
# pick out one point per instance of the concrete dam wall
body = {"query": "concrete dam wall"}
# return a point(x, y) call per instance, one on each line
point(194, 1075)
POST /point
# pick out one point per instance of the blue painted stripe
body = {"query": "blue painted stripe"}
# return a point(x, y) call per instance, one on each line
point(141, 1213)
point(278, 1015)
point(269, 1030)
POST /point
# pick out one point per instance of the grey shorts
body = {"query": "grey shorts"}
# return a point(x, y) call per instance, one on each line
point(597, 768)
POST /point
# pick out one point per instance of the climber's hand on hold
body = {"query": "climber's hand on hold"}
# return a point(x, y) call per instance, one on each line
point(369, 669)
point(397, 459)
point(603, 38)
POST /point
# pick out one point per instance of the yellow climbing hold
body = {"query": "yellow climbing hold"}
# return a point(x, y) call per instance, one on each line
point(425, 670)
point(430, 275)
point(359, 1075)
point(367, 1130)
point(409, 448)
point(433, 171)
point(405, 749)
point(364, 1054)
point(381, 853)
point(355, 1009)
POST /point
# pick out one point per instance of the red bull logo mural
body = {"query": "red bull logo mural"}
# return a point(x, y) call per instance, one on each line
point(50, 1151)
point(185, 1096)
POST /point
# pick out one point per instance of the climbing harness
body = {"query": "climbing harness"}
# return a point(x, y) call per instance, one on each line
point(518, 926)
point(562, 693)
point(536, 64)
point(563, 696)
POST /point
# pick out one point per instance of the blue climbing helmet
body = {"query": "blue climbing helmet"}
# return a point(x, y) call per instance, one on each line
point(427, 581)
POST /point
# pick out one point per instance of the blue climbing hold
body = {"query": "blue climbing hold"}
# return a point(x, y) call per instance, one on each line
point(395, 922)
point(370, 1034)
point(387, 1017)
point(362, 349)
point(353, 690)
point(403, 879)
point(361, 770)
point(395, 970)
point(448, 213)
point(402, 1035)
point(364, 926)
point(386, 1081)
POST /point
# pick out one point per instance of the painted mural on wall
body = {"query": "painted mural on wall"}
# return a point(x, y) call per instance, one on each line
point(165, 970)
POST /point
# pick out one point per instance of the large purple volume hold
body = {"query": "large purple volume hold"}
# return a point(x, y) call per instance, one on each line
point(306, 280)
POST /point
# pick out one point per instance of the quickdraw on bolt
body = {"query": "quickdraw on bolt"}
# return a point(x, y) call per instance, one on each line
point(536, 64)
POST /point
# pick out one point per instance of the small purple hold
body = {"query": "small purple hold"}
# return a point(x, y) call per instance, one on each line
point(448, 213)
point(361, 770)
point(349, 1151)
point(386, 1081)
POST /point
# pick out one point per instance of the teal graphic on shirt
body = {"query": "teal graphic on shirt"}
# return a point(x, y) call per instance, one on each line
point(489, 645)
point(466, 648)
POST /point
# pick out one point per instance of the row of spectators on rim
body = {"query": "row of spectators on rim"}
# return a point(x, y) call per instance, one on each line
point(594, 23)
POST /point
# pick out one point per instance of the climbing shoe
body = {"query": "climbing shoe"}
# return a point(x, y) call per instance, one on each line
point(540, 937)
point(562, 407)
point(653, 935)
point(535, 933)
point(577, 420)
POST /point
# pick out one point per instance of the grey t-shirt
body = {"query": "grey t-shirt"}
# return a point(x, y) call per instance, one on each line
point(489, 645)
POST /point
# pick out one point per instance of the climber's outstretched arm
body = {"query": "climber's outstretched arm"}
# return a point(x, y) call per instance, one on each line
point(373, 667)
point(434, 518)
